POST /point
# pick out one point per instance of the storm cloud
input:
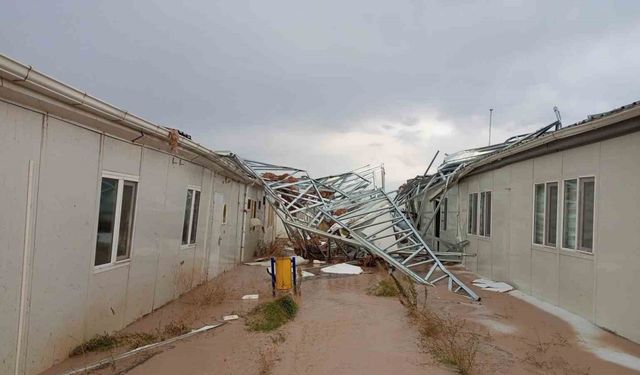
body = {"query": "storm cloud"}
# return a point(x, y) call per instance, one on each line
point(333, 85)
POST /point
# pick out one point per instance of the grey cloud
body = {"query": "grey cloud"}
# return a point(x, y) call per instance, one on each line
point(213, 67)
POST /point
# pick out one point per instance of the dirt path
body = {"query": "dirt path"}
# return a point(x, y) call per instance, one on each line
point(340, 329)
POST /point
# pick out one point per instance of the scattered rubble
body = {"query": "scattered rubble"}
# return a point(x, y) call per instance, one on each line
point(492, 286)
point(343, 269)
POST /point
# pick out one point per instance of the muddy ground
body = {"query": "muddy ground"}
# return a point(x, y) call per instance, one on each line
point(341, 329)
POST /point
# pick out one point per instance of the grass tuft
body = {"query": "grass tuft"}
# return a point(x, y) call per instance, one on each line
point(106, 342)
point(384, 288)
point(98, 343)
point(445, 337)
point(271, 315)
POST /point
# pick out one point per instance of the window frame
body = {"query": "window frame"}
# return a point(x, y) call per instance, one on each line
point(559, 216)
point(472, 217)
point(115, 262)
point(190, 244)
point(579, 208)
point(483, 217)
point(480, 216)
point(443, 214)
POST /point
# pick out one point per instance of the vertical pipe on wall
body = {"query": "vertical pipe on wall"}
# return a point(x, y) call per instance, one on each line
point(26, 259)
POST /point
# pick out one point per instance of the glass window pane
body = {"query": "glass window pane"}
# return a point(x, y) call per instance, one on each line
point(482, 213)
point(552, 213)
point(569, 214)
point(538, 218)
point(587, 190)
point(187, 216)
point(470, 215)
point(126, 219)
point(475, 214)
point(487, 221)
point(443, 215)
point(224, 214)
point(196, 208)
point(106, 219)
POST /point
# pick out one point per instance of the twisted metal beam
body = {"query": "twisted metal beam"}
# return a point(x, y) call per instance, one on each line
point(352, 210)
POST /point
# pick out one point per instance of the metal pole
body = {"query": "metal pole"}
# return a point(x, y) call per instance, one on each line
point(490, 121)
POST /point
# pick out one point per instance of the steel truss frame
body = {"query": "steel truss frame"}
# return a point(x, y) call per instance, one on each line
point(350, 210)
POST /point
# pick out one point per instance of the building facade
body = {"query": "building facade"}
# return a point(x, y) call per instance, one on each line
point(559, 218)
point(104, 217)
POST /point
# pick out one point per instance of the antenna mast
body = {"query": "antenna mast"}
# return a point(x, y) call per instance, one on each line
point(490, 121)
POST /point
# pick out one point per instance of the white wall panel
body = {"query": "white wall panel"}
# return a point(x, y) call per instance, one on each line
point(148, 233)
point(121, 157)
point(64, 245)
point(20, 142)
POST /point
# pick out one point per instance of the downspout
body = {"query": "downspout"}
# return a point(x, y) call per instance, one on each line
point(244, 222)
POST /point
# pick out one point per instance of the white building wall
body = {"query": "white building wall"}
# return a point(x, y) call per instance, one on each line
point(598, 286)
point(19, 145)
point(64, 299)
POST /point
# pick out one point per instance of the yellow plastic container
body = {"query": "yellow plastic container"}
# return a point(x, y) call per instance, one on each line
point(284, 278)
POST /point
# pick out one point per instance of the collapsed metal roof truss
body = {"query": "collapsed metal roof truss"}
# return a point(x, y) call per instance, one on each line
point(354, 213)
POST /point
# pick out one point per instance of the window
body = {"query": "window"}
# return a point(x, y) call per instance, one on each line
point(487, 213)
point(551, 216)
point(473, 214)
point(480, 214)
point(545, 218)
point(578, 214)
point(253, 210)
point(224, 214)
point(538, 216)
point(271, 218)
point(570, 211)
point(190, 222)
point(115, 218)
point(443, 215)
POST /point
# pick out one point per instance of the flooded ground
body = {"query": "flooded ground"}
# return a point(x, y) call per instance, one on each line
point(340, 329)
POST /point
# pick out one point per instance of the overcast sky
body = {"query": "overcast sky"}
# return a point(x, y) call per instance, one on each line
point(333, 85)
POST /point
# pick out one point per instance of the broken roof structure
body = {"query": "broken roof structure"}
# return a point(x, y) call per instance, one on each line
point(471, 161)
point(357, 215)
point(553, 213)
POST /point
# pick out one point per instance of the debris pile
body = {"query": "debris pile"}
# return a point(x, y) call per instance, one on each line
point(350, 216)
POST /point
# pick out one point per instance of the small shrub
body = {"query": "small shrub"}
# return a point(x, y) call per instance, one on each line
point(384, 288)
point(174, 329)
point(272, 249)
point(271, 315)
point(98, 343)
point(137, 340)
point(445, 337)
point(101, 343)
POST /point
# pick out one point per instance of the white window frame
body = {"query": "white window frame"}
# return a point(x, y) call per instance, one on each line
point(121, 177)
point(578, 213)
point(490, 216)
point(559, 216)
point(193, 204)
point(478, 215)
point(475, 212)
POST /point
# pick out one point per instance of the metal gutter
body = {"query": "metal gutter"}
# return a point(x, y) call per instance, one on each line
point(16, 73)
